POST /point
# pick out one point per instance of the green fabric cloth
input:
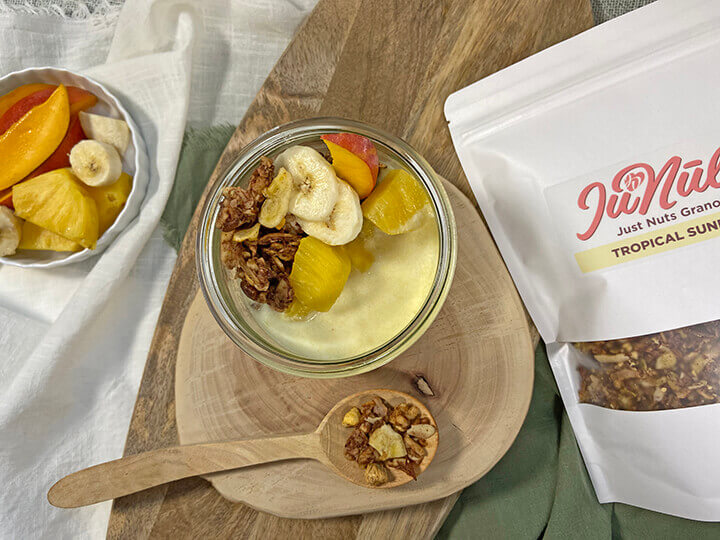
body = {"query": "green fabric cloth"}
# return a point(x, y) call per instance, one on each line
point(540, 488)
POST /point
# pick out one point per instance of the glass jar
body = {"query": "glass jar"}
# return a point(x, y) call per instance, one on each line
point(233, 313)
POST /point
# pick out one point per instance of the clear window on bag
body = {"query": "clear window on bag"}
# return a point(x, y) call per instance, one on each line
point(667, 370)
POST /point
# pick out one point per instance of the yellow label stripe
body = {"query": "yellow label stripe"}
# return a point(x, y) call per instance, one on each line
point(647, 244)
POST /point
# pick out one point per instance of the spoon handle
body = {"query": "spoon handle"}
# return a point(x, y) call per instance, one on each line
point(149, 469)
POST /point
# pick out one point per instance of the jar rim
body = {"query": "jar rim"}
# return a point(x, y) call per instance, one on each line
point(254, 345)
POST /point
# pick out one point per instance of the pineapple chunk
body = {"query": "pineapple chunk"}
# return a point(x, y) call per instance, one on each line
point(394, 205)
point(361, 257)
point(57, 201)
point(37, 238)
point(319, 273)
point(110, 200)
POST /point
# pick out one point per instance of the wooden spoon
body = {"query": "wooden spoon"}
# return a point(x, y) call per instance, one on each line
point(149, 469)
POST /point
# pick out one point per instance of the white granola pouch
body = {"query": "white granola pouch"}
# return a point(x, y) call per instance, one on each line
point(597, 166)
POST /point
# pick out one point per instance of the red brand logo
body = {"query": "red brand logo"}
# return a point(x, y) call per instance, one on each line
point(633, 180)
point(675, 180)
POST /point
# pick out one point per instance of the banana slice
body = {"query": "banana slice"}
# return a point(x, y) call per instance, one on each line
point(10, 231)
point(105, 129)
point(96, 163)
point(316, 185)
point(388, 442)
point(344, 223)
point(277, 203)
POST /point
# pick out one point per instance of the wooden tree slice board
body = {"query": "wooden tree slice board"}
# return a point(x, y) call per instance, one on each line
point(473, 368)
point(390, 63)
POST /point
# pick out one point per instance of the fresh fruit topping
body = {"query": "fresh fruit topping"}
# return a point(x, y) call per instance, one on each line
point(105, 129)
point(388, 443)
point(277, 202)
point(316, 185)
point(11, 98)
point(251, 233)
point(96, 163)
point(57, 201)
point(355, 160)
point(78, 98)
point(10, 231)
point(360, 255)
point(344, 223)
point(6, 198)
point(297, 311)
point(394, 206)
point(60, 158)
point(37, 238)
point(110, 200)
point(319, 274)
point(33, 138)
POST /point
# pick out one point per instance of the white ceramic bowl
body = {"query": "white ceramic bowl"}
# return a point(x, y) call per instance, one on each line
point(135, 162)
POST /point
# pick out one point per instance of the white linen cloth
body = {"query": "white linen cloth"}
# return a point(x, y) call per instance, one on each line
point(74, 340)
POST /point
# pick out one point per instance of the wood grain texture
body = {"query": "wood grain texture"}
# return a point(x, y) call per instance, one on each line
point(467, 40)
point(477, 359)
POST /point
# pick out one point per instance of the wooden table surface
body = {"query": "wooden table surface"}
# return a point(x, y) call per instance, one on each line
point(391, 63)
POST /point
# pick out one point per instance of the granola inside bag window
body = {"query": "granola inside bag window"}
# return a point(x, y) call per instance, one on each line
point(667, 370)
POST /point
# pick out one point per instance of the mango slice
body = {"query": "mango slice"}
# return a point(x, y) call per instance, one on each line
point(33, 138)
point(37, 238)
point(58, 202)
point(319, 273)
point(110, 200)
point(11, 98)
point(394, 205)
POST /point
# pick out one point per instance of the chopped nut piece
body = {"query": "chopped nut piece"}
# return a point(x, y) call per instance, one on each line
point(414, 450)
point(367, 455)
point(351, 418)
point(421, 431)
point(611, 358)
point(376, 474)
point(398, 420)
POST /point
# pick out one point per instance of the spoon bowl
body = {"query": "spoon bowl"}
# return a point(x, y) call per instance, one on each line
point(333, 436)
point(149, 469)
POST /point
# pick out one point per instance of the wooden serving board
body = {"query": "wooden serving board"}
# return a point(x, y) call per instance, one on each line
point(473, 369)
point(390, 63)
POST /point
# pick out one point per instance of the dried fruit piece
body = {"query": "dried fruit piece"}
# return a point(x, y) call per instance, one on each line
point(376, 474)
point(396, 203)
point(277, 202)
point(251, 233)
point(351, 418)
point(388, 442)
point(57, 201)
point(319, 274)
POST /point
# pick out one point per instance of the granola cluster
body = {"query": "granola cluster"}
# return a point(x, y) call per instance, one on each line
point(261, 258)
point(668, 370)
point(387, 437)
